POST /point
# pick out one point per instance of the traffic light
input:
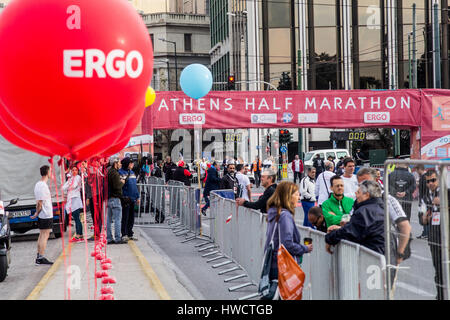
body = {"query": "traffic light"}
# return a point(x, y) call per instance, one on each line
point(231, 82)
point(285, 136)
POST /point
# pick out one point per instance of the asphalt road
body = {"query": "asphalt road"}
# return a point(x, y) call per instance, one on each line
point(23, 274)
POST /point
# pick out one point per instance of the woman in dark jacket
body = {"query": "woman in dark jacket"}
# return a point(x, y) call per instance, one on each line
point(281, 209)
point(212, 183)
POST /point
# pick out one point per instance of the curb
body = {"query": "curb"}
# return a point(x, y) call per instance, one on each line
point(151, 275)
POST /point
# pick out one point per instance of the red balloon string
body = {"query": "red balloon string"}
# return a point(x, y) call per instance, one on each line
point(83, 174)
point(60, 207)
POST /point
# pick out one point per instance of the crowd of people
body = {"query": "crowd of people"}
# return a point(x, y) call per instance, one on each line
point(335, 200)
point(92, 185)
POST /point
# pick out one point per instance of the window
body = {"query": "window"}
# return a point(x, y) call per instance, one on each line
point(151, 38)
point(188, 42)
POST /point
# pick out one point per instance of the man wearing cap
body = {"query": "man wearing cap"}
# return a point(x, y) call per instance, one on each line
point(182, 174)
point(115, 184)
point(130, 197)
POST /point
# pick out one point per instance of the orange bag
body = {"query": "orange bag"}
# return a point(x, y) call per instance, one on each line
point(290, 276)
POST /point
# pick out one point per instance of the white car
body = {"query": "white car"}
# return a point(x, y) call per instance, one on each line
point(324, 154)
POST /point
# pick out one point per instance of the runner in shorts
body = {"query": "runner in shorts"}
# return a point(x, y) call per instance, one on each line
point(44, 213)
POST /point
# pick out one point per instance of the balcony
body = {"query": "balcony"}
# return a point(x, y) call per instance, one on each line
point(175, 18)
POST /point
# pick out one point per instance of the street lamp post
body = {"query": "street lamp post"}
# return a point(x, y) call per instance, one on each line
point(176, 60)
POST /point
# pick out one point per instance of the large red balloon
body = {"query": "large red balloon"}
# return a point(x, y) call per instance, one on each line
point(73, 70)
point(14, 139)
point(34, 141)
point(113, 139)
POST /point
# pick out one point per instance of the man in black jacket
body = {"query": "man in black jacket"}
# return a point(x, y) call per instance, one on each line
point(156, 172)
point(401, 186)
point(366, 225)
point(229, 181)
point(432, 218)
point(182, 174)
point(115, 184)
point(268, 179)
point(319, 164)
point(168, 168)
point(212, 183)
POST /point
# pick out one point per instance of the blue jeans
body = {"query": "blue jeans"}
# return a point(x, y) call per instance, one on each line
point(206, 206)
point(306, 205)
point(78, 225)
point(114, 213)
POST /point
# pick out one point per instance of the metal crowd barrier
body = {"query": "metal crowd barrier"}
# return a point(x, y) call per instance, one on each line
point(173, 203)
point(426, 274)
point(352, 272)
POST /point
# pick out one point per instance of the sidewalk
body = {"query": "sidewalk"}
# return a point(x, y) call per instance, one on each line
point(134, 274)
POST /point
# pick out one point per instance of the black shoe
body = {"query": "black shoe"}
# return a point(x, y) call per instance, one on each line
point(43, 261)
point(111, 242)
point(120, 242)
point(91, 238)
point(204, 212)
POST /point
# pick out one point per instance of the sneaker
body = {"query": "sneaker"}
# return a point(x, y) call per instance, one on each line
point(75, 239)
point(204, 212)
point(133, 238)
point(121, 242)
point(91, 238)
point(111, 242)
point(43, 260)
point(422, 236)
point(125, 238)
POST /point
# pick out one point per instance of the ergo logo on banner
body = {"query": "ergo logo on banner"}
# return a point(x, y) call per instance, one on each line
point(115, 64)
point(192, 118)
point(377, 117)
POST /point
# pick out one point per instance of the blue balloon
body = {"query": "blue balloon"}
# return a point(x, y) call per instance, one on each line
point(196, 81)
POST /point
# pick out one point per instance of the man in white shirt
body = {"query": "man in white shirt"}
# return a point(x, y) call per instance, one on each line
point(244, 183)
point(350, 180)
point(323, 186)
point(297, 168)
point(44, 212)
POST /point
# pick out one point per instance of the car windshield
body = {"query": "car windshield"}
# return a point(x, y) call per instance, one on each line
point(308, 156)
point(341, 154)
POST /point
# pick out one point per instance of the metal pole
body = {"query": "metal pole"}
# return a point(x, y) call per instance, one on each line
point(387, 235)
point(168, 75)
point(436, 49)
point(409, 61)
point(444, 232)
point(414, 60)
point(176, 65)
point(299, 76)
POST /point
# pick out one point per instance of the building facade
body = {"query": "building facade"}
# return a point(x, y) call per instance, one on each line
point(330, 45)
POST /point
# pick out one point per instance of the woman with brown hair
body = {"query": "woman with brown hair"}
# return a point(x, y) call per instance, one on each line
point(281, 225)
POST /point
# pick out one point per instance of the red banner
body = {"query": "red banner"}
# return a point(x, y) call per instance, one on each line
point(435, 126)
point(286, 109)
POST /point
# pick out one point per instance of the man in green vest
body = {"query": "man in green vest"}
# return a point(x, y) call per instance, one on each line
point(337, 205)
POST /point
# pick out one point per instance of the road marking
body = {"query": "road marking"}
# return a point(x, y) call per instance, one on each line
point(414, 289)
point(34, 295)
point(419, 257)
point(151, 275)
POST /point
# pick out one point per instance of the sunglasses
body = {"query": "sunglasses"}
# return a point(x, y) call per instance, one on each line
point(431, 180)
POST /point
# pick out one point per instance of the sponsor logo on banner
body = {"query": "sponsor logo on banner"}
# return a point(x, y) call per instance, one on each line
point(308, 118)
point(377, 117)
point(192, 118)
point(287, 117)
point(264, 118)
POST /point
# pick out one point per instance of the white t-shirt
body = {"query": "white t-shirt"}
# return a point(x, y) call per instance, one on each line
point(297, 165)
point(350, 186)
point(243, 181)
point(42, 192)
